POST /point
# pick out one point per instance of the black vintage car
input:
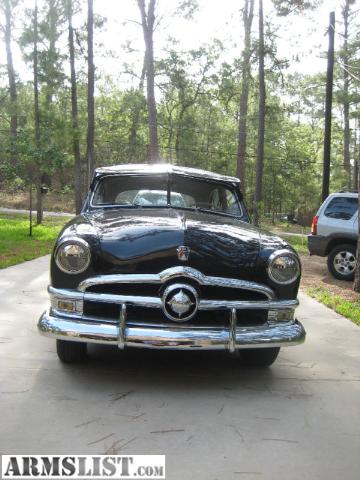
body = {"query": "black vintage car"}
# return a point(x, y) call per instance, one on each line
point(165, 257)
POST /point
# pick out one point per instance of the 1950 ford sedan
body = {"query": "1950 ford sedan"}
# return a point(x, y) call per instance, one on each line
point(165, 257)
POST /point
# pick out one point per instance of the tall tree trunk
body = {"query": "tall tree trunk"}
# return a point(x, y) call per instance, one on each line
point(147, 21)
point(136, 117)
point(170, 140)
point(356, 285)
point(356, 156)
point(39, 198)
point(184, 105)
point(52, 17)
point(345, 58)
point(178, 133)
point(248, 15)
point(328, 108)
point(90, 94)
point(12, 83)
point(261, 118)
point(74, 113)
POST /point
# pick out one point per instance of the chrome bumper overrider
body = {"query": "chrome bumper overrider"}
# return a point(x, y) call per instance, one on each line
point(66, 318)
point(172, 337)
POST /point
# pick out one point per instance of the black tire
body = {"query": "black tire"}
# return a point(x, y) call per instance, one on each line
point(259, 357)
point(71, 352)
point(346, 253)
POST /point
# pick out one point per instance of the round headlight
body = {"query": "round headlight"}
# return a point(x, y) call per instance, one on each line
point(284, 267)
point(73, 256)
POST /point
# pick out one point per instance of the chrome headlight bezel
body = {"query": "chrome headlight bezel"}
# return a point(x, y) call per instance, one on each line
point(73, 241)
point(275, 256)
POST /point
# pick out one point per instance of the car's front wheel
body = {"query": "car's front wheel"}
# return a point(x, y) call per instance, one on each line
point(71, 352)
point(259, 357)
point(341, 262)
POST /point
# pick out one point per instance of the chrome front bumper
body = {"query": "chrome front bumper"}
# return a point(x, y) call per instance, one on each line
point(279, 330)
point(172, 337)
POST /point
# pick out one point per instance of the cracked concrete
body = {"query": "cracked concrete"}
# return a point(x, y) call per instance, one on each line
point(213, 418)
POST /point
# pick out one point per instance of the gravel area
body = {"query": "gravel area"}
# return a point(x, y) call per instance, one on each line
point(315, 273)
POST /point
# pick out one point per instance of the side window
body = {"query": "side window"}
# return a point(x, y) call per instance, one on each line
point(99, 193)
point(215, 203)
point(232, 205)
point(342, 208)
point(224, 200)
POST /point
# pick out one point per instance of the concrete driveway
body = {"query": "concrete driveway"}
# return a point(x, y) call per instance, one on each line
point(213, 418)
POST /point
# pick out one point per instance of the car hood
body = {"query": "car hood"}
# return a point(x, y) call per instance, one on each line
point(146, 240)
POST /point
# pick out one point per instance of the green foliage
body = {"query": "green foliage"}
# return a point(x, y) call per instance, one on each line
point(187, 8)
point(198, 96)
point(48, 156)
point(285, 7)
point(116, 111)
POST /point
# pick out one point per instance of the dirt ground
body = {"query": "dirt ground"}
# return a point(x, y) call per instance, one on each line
point(315, 273)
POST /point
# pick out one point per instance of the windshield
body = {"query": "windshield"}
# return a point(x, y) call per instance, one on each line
point(163, 191)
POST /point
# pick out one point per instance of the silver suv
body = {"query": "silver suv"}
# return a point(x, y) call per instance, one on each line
point(334, 233)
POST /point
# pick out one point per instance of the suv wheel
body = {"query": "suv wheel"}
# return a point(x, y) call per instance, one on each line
point(341, 262)
point(71, 352)
point(259, 357)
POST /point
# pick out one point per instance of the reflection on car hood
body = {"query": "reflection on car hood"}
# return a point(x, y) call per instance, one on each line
point(146, 240)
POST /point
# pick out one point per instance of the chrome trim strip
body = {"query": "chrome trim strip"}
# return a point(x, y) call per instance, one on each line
point(246, 304)
point(72, 295)
point(122, 327)
point(232, 331)
point(150, 302)
point(156, 302)
point(118, 278)
point(174, 272)
point(172, 337)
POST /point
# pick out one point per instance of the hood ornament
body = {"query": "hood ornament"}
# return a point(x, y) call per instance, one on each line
point(183, 253)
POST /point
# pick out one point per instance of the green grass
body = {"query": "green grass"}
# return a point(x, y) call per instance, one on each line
point(285, 227)
point(285, 230)
point(299, 243)
point(17, 246)
point(347, 308)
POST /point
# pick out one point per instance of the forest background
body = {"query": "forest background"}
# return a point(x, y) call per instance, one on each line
point(236, 87)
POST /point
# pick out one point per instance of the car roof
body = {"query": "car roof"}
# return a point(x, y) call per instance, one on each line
point(342, 194)
point(158, 168)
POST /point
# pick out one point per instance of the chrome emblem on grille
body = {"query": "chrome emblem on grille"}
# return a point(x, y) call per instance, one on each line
point(180, 302)
point(183, 253)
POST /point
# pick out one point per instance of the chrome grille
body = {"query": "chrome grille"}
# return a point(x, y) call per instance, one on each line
point(140, 296)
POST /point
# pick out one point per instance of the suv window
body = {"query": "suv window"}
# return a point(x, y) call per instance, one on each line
point(341, 207)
